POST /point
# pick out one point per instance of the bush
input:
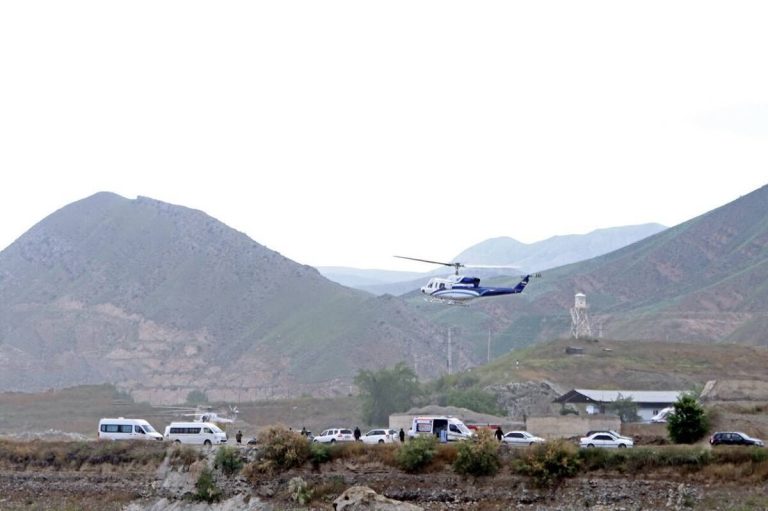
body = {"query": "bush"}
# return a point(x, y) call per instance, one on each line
point(417, 453)
point(550, 463)
point(300, 492)
point(228, 460)
point(205, 487)
point(282, 450)
point(688, 423)
point(184, 456)
point(319, 454)
point(479, 458)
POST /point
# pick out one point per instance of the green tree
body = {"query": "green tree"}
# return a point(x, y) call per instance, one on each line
point(386, 391)
point(197, 397)
point(625, 408)
point(689, 422)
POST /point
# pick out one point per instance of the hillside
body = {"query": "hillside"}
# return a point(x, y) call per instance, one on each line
point(630, 365)
point(704, 281)
point(161, 300)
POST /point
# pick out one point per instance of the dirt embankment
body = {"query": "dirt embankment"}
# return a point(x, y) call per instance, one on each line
point(168, 485)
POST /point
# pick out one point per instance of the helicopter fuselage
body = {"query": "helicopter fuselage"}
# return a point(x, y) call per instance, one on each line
point(460, 288)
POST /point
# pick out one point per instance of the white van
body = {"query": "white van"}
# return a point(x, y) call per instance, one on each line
point(127, 429)
point(436, 424)
point(205, 433)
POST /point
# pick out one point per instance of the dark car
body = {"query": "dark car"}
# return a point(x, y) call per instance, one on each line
point(734, 438)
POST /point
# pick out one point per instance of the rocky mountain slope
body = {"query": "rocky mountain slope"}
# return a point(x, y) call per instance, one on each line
point(161, 300)
point(705, 280)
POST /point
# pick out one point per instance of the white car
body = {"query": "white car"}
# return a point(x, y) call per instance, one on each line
point(521, 438)
point(331, 436)
point(606, 440)
point(379, 436)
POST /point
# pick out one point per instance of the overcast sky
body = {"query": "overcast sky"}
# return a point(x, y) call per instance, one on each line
point(342, 133)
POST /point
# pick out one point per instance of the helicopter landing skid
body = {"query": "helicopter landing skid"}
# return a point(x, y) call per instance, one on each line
point(446, 302)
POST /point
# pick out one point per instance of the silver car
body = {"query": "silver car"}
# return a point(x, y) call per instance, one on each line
point(521, 439)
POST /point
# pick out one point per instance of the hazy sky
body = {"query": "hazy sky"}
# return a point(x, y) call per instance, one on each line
point(341, 133)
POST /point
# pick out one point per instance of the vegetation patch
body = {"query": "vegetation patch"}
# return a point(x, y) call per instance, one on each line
point(416, 454)
point(281, 449)
point(478, 458)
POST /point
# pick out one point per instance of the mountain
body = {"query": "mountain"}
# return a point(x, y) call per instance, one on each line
point(162, 300)
point(503, 251)
point(705, 280)
point(557, 250)
point(360, 278)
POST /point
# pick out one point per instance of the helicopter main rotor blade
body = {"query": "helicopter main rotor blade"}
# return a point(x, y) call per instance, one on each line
point(491, 266)
point(454, 265)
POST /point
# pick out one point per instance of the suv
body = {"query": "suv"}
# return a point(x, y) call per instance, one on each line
point(331, 436)
point(734, 438)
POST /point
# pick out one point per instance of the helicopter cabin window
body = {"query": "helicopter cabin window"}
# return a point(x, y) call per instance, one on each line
point(442, 285)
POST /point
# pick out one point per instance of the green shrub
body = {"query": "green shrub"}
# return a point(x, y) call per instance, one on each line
point(282, 450)
point(228, 460)
point(205, 487)
point(417, 453)
point(478, 458)
point(689, 423)
point(549, 463)
point(319, 454)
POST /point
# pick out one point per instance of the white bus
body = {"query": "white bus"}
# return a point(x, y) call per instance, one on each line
point(205, 433)
point(127, 429)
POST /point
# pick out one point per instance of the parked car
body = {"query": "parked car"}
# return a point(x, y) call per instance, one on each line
point(606, 440)
point(521, 439)
point(610, 432)
point(379, 436)
point(663, 415)
point(734, 438)
point(333, 435)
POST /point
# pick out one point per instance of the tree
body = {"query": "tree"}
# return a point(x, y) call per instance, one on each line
point(386, 391)
point(197, 397)
point(688, 423)
point(625, 408)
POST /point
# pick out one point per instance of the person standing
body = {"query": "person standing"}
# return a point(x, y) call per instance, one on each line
point(499, 433)
point(239, 436)
point(402, 436)
point(357, 434)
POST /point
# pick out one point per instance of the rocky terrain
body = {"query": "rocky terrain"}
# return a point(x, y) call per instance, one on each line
point(168, 485)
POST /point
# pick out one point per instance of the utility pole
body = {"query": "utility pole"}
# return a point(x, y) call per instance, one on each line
point(489, 345)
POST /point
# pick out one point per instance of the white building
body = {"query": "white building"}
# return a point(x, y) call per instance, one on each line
point(649, 402)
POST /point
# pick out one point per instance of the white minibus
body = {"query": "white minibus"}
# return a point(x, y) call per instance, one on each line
point(205, 433)
point(127, 429)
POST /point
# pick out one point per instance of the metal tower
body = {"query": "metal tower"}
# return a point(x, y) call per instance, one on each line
point(580, 328)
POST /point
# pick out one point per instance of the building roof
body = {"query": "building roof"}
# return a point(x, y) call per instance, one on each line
point(608, 396)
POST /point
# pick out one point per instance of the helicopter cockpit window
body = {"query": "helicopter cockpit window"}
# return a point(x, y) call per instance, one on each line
point(442, 286)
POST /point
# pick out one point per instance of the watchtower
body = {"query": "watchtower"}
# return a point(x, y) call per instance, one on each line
point(580, 328)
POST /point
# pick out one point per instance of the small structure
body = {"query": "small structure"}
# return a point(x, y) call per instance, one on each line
point(580, 328)
point(649, 402)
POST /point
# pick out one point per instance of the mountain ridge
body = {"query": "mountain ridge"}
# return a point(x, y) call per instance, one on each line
point(163, 299)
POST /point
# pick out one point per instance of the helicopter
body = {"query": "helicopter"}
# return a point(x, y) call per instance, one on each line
point(208, 415)
point(460, 289)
